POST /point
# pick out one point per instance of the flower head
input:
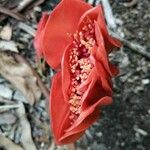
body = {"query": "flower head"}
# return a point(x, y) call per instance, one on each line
point(75, 42)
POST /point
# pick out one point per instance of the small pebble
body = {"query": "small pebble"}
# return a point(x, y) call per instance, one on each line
point(145, 81)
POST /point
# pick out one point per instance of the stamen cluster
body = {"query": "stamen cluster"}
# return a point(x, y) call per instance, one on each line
point(80, 65)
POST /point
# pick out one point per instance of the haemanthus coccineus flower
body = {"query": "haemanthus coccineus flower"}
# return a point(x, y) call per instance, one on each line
point(75, 42)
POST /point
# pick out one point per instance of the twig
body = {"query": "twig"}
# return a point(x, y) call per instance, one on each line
point(27, 28)
point(141, 131)
point(12, 13)
point(43, 88)
point(109, 14)
point(131, 3)
point(36, 3)
point(133, 46)
point(23, 5)
point(111, 23)
point(137, 48)
point(7, 107)
point(3, 100)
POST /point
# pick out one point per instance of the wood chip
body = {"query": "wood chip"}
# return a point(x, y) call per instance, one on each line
point(26, 138)
point(6, 33)
point(27, 28)
point(7, 118)
point(5, 91)
point(8, 45)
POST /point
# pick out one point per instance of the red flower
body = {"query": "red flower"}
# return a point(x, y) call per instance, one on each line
point(75, 42)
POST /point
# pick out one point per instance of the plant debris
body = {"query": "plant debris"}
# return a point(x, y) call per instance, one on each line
point(26, 138)
point(8, 46)
point(21, 76)
point(8, 144)
point(6, 33)
point(7, 118)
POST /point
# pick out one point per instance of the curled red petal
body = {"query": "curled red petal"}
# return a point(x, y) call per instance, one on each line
point(95, 92)
point(61, 23)
point(60, 121)
point(88, 116)
point(84, 121)
point(70, 138)
point(66, 78)
point(92, 14)
point(104, 78)
point(86, 85)
point(97, 14)
point(57, 104)
point(110, 42)
point(39, 34)
point(101, 54)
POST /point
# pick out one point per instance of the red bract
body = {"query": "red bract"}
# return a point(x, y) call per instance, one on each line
point(75, 42)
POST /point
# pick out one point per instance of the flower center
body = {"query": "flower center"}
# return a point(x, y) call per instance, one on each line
point(80, 65)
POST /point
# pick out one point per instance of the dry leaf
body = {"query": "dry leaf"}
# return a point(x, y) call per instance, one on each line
point(8, 144)
point(26, 138)
point(6, 33)
point(21, 76)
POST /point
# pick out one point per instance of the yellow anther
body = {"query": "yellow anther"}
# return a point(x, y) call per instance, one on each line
point(73, 109)
point(83, 42)
point(80, 64)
